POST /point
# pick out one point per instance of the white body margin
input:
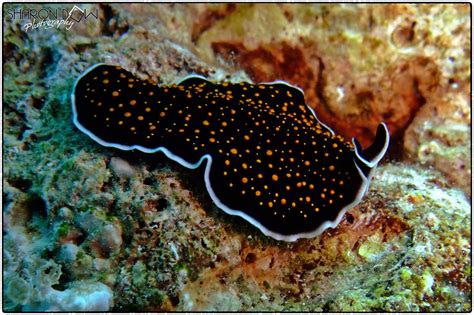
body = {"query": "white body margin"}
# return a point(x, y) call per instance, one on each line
point(208, 159)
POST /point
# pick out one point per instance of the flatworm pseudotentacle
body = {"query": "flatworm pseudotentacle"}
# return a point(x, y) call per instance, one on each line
point(269, 159)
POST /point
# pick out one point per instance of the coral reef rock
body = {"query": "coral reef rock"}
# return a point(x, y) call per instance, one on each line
point(91, 228)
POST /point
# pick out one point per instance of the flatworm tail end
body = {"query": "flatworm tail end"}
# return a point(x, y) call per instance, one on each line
point(367, 159)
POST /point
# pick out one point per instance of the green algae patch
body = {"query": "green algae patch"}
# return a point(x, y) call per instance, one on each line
point(63, 229)
point(372, 248)
point(139, 273)
point(425, 282)
point(405, 274)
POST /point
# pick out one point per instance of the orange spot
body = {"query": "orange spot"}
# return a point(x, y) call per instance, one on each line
point(283, 201)
point(162, 114)
point(115, 93)
point(275, 177)
point(258, 193)
point(269, 152)
point(133, 102)
point(233, 151)
point(128, 114)
point(140, 118)
point(227, 162)
point(245, 180)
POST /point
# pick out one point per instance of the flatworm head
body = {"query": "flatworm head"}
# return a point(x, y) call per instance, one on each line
point(268, 158)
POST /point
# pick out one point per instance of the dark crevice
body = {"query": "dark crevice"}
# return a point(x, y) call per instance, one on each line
point(81, 48)
point(129, 232)
point(15, 122)
point(350, 218)
point(37, 102)
point(174, 298)
point(20, 183)
point(395, 150)
point(250, 258)
point(9, 51)
point(80, 238)
point(420, 99)
point(64, 280)
point(161, 204)
point(149, 181)
point(37, 206)
point(14, 51)
point(46, 61)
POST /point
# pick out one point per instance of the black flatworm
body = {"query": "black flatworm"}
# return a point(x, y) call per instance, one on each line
point(268, 158)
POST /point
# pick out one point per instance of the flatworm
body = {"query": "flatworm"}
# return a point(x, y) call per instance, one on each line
point(268, 158)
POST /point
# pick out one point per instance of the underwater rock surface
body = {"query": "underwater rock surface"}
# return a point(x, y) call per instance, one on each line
point(93, 228)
